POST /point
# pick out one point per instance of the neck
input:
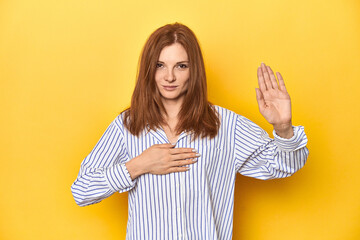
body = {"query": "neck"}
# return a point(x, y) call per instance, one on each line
point(172, 110)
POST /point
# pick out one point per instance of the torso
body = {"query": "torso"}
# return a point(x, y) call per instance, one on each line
point(205, 191)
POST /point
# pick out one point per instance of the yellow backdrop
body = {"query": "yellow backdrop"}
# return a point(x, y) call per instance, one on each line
point(67, 68)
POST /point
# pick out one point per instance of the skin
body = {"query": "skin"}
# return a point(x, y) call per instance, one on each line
point(173, 69)
point(274, 101)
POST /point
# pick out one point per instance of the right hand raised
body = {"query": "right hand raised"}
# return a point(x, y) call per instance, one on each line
point(162, 159)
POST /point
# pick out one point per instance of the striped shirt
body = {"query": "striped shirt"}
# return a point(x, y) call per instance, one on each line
point(198, 203)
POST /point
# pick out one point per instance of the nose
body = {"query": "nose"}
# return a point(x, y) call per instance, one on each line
point(170, 76)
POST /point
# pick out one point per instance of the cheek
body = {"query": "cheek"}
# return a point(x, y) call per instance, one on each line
point(187, 80)
point(157, 77)
point(186, 84)
point(185, 76)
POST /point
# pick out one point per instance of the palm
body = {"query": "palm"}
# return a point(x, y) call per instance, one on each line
point(273, 98)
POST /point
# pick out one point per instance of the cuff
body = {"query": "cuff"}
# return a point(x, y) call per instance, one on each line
point(119, 178)
point(293, 143)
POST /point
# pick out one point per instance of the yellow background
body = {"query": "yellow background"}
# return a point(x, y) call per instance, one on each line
point(67, 68)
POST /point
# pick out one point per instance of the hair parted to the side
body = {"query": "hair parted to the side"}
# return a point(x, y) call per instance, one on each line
point(197, 114)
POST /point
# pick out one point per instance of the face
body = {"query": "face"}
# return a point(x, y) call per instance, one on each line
point(172, 73)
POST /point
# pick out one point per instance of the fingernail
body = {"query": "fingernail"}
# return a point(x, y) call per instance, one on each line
point(194, 160)
point(194, 150)
point(198, 154)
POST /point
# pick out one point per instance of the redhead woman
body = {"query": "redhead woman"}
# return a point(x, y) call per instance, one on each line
point(177, 154)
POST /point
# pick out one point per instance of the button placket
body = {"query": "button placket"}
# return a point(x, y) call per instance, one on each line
point(180, 187)
point(182, 190)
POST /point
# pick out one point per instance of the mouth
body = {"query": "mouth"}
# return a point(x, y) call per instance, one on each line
point(169, 88)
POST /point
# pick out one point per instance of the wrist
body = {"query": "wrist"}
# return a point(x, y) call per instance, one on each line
point(284, 130)
point(135, 168)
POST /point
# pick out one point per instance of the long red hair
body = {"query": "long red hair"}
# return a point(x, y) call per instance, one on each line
point(197, 114)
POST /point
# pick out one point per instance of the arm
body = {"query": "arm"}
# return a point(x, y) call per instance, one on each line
point(256, 154)
point(103, 171)
point(259, 156)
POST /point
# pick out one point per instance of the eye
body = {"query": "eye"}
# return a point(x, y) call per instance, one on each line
point(183, 66)
point(159, 65)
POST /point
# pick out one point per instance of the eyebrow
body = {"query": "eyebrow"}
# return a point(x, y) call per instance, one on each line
point(176, 63)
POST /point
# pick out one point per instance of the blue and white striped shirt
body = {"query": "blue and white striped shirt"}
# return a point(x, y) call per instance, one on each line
point(198, 203)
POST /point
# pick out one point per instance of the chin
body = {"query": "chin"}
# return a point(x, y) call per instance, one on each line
point(170, 98)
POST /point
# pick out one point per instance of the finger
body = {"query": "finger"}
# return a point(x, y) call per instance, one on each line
point(281, 81)
point(272, 78)
point(261, 81)
point(266, 76)
point(182, 150)
point(182, 163)
point(260, 99)
point(184, 156)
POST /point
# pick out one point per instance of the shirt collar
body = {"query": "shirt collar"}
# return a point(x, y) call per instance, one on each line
point(160, 134)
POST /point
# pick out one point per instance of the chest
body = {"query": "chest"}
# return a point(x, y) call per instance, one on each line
point(215, 152)
point(171, 135)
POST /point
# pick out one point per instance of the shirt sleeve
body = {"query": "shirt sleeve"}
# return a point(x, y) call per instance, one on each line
point(259, 156)
point(103, 171)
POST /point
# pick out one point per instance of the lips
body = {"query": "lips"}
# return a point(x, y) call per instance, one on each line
point(170, 87)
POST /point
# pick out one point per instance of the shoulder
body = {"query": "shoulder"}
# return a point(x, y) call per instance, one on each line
point(119, 120)
point(225, 113)
point(227, 116)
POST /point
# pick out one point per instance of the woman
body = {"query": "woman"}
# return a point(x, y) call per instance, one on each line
point(177, 154)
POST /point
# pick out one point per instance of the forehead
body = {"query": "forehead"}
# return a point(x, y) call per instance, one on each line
point(173, 53)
